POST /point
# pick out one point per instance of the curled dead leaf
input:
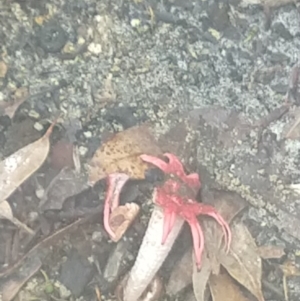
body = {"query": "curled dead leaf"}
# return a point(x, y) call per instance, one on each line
point(121, 218)
point(200, 278)
point(243, 262)
point(121, 154)
point(19, 166)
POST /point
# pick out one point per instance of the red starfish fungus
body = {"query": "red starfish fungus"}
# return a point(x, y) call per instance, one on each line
point(115, 183)
point(177, 198)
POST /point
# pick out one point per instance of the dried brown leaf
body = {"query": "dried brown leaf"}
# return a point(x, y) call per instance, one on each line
point(223, 288)
point(121, 154)
point(200, 278)
point(6, 213)
point(19, 166)
point(269, 251)
point(229, 205)
point(243, 262)
point(121, 218)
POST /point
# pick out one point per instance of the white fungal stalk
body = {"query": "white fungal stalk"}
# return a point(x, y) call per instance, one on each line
point(151, 255)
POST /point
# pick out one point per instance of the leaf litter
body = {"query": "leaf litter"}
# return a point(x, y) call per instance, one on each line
point(19, 272)
point(243, 262)
point(229, 205)
point(11, 286)
point(121, 153)
point(224, 289)
point(17, 168)
point(119, 160)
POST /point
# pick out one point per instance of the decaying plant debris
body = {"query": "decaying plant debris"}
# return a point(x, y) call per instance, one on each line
point(242, 263)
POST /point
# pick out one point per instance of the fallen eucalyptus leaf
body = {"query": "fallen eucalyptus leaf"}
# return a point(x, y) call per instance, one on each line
point(243, 262)
point(223, 288)
point(200, 278)
point(19, 166)
point(6, 213)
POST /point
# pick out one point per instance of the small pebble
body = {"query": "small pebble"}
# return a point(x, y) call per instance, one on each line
point(34, 114)
point(68, 48)
point(95, 48)
point(40, 192)
point(32, 216)
point(39, 127)
point(87, 134)
point(63, 291)
point(81, 41)
point(97, 236)
point(83, 150)
point(135, 22)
